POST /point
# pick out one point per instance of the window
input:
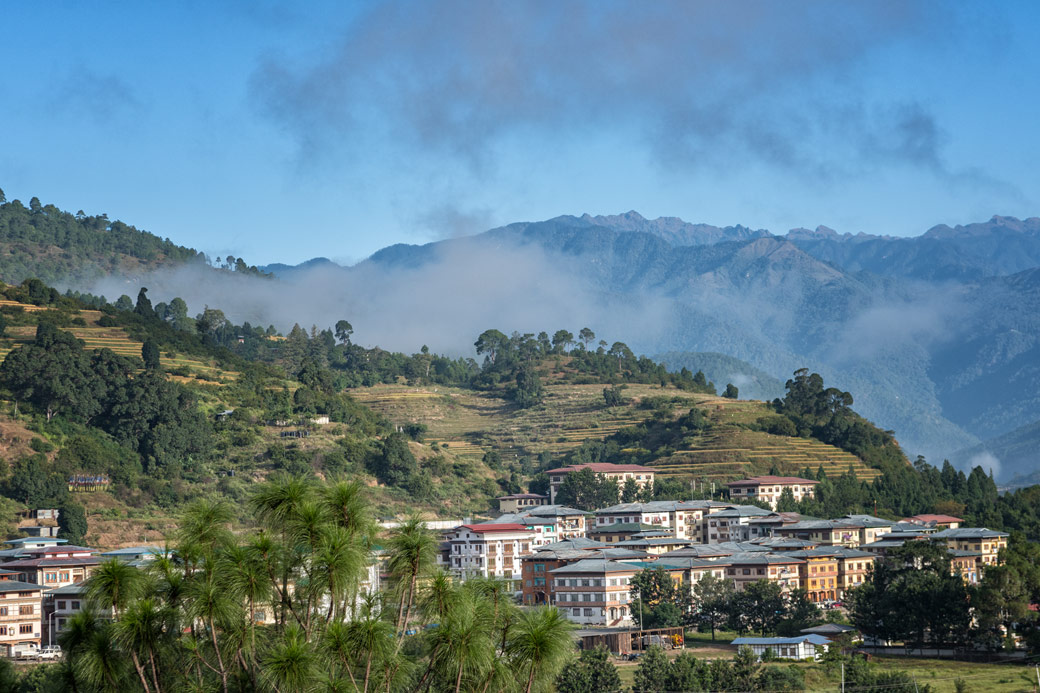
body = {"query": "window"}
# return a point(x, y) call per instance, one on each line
point(588, 612)
point(576, 612)
point(25, 628)
point(65, 577)
point(26, 610)
point(539, 567)
point(539, 582)
point(61, 606)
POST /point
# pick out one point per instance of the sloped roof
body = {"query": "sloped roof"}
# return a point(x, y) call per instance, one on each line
point(769, 479)
point(810, 637)
point(602, 468)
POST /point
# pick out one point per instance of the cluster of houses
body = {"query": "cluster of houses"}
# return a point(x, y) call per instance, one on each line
point(583, 562)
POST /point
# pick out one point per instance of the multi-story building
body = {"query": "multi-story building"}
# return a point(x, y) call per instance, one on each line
point(987, 542)
point(818, 573)
point(967, 564)
point(643, 476)
point(538, 587)
point(621, 531)
point(59, 605)
point(769, 488)
point(683, 519)
point(853, 568)
point(54, 566)
point(570, 522)
point(21, 614)
point(873, 527)
point(824, 532)
point(745, 568)
point(490, 550)
point(595, 591)
point(519, 502)
point(732, 524)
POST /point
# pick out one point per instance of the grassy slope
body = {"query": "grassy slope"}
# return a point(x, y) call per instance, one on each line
point(468, 423)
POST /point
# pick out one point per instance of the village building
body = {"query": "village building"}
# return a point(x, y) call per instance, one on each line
point(818, 573)
point(622, 531)
point(21, 611)
point(746, 568)
point(518, 502)
point(490, 550)
point(797, 648)
point(824, 532)
point(539, 588)
point(937, 521)
point(54, 566)
point(987, 542)
point(59, 605)
point(769, 488)
point(595, 591)
point(570, 522)
point(732, 524)
point(873, 527)
point(642, 476)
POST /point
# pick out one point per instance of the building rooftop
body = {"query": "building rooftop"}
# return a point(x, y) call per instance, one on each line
point(596, 565)
point(932, 519)
point(769, 479)
point(623, 527)
point(521, 496)
point(552, 511)
point(813, 638)
point(870, 521)
point(969, 533)
point(743, 511)
point(77, 588)
point(603, 468)
point(18, 586)
point(575, 543)
point(496, 527)
point(22, 541)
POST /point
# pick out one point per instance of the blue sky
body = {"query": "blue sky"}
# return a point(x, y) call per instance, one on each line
point(280, 132)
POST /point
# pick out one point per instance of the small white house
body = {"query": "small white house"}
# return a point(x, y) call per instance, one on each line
point(798, 648)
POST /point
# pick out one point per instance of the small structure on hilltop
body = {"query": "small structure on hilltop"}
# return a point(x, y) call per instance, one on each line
point(89, 482)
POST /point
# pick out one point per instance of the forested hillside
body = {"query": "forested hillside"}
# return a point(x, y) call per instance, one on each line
point(57, 247)
point(164, 408)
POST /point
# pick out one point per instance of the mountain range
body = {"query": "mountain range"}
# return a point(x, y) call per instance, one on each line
point(937, 336)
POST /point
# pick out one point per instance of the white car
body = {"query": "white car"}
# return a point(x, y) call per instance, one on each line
point(49, 652)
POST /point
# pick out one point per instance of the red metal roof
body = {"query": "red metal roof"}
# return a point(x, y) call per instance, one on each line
point(782, 480)
point(505, 527)
point(933, 518)
point(602, 468)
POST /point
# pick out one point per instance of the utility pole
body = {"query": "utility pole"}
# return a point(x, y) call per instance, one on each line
point(843, 675)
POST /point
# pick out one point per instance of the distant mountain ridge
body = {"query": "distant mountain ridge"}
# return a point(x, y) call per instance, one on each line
point(937, 336)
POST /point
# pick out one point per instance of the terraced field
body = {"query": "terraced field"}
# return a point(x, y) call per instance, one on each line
point(114, 338)
point(470, 423)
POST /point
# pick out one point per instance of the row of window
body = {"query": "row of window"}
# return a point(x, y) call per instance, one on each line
point(23, 629)
point(23, 610)
point(590, 582)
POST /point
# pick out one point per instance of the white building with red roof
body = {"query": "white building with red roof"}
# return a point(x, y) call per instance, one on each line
point(490, 550)
point(643, 476)
point(768, 488)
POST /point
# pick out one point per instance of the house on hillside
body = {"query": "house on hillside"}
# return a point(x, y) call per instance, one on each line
point(769, 488)
point(643, 476)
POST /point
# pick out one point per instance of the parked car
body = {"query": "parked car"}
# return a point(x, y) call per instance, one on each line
point(49, 652)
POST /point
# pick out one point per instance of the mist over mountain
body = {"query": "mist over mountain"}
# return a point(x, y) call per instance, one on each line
point(937, 341)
